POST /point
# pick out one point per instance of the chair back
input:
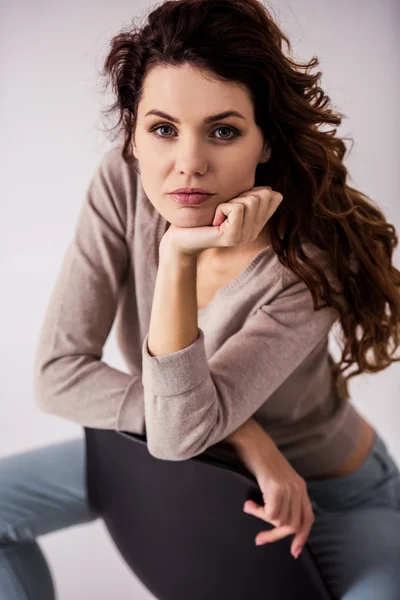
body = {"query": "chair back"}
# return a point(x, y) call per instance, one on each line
point(180, 525)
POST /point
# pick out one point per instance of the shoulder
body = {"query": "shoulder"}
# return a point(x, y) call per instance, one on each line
point(113, 187)
point(319, 257)
point(293, 286)
point(113, 167)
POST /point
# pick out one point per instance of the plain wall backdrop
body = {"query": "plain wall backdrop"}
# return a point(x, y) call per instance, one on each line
point(51, 141)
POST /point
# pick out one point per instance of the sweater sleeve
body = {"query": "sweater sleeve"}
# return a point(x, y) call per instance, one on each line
point(192, 403)
point(70, 379)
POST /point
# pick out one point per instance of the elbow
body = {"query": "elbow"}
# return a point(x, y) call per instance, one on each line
point(164, 447)
point(182, 443)
point(42, 398)
point(165, 450)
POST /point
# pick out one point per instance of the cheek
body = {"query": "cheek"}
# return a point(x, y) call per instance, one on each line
point(240, 182)
point(241, 169)
point(152, 179)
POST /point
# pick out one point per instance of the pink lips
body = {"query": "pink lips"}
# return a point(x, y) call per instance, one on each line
point(190, 199)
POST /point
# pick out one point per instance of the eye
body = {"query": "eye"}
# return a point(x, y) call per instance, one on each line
point(233, 130)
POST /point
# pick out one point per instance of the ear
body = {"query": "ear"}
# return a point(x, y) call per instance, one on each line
point(134, 150)
point(266, 153)
point(133, 142)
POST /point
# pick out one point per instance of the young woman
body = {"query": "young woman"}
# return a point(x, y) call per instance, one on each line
point(225, 294)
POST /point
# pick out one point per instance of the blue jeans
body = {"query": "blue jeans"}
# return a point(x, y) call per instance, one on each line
point(355, 537)
point(41, 491)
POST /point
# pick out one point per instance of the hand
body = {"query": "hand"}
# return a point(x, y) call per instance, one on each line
point(246, 215)
point(286, 502)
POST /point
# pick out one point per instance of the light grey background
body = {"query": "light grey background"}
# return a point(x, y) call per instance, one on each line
point(50, 143)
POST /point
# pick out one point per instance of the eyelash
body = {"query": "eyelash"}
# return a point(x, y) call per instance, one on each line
point(235, 131)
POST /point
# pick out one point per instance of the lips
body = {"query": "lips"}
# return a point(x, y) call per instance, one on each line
point(190, 199)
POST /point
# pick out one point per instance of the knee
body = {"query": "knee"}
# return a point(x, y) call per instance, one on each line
point(381, 581)
point(14, 503)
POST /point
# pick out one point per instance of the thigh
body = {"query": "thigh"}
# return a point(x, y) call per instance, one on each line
point(358, 553)
point(43, 490)
point(355, 537)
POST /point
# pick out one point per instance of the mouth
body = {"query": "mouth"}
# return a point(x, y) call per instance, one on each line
point(190, 199)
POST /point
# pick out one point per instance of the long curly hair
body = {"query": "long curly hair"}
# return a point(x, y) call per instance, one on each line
point(239, 41)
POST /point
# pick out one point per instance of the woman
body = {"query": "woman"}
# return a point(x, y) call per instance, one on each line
point(224, 299)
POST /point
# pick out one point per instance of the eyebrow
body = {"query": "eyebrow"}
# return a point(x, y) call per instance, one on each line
point(210, 119)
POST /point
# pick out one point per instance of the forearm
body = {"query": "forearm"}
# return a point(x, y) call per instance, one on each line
point(253, 445)
point(174, 326)
point(173, 322)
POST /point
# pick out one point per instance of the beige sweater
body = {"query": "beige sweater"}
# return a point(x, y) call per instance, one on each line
point(262, 350)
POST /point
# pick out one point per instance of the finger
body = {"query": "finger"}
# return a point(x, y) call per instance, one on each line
point(296, 512)
point(286, 517)
point(273, 205)
point(221, 212)
point(252, 222)
point(219, 216)
point(296, 521)
point(252, 508)
point(234, 214)
point(273, 504)
point(261, 211)
point(307, 522)
point(256, 212)
point(282, 515)
point(266, 537)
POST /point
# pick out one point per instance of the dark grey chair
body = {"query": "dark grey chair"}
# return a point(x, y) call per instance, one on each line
point(180, 525)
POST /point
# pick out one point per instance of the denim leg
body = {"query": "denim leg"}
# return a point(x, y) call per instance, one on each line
point(355, 538)
point(41, 491)
point(358, 553)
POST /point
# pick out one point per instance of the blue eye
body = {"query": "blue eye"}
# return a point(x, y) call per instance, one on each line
point(233, 130)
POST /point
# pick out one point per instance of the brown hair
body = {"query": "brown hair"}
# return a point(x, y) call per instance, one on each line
point(238, 40)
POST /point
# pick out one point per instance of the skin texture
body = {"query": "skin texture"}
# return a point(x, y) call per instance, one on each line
point(194, 154)
point(237, 223)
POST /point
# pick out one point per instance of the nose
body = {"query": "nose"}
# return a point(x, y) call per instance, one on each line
point(192, 157)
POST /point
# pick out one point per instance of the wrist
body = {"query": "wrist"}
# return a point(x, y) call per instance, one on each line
point(168, 250)
point(177, 264)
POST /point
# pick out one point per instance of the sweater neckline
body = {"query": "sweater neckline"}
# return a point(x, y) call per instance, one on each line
point(225, 289)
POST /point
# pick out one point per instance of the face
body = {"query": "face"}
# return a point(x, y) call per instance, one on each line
point(220, 156)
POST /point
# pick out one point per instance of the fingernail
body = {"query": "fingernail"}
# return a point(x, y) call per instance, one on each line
point(259, 542)
point(298, 552)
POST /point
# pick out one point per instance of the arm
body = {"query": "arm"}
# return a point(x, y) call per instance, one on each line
point(252, 444)
point(193, 401)
point(70, 379)
point(175, 296)
point(173, 322)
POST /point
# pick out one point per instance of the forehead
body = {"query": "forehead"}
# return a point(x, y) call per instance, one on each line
point(187, 90)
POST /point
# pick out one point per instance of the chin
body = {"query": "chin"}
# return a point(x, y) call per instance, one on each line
point(191, 217)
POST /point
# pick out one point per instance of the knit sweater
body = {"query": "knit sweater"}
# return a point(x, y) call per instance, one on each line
point(261, 352)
